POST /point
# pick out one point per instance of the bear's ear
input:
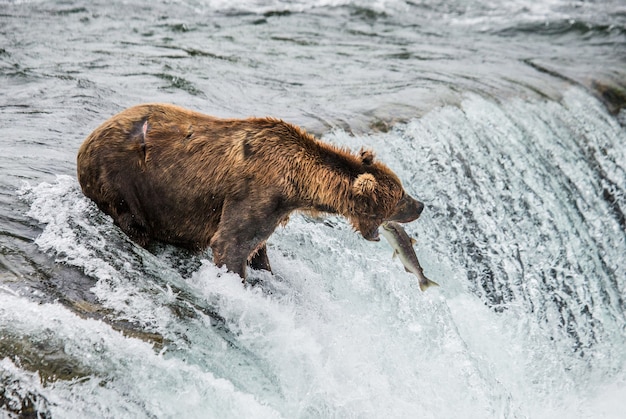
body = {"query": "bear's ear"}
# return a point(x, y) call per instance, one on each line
point(367, 156)
point(364, 184)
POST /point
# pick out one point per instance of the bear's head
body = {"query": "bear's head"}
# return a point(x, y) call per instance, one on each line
point(378, 196)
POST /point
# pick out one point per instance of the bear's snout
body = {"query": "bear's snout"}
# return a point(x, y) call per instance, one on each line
point(408, 209)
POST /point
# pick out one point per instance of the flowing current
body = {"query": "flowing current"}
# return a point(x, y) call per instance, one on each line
point(505, 118)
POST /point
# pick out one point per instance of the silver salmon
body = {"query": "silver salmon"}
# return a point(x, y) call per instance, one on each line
point(403, 247)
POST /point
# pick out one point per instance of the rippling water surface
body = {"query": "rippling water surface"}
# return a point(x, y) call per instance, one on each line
point(506, 118)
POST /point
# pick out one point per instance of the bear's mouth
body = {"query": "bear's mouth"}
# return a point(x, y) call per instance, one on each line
point(371, 235)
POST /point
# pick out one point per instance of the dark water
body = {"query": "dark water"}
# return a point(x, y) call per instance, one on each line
point(506, 118)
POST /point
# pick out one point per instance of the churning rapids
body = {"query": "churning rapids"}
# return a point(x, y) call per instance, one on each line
point(506, 118)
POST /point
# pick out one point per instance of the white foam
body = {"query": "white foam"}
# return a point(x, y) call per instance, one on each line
point(129, 377)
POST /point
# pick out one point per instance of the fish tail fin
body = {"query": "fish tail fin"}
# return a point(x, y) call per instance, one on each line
point(425, 285)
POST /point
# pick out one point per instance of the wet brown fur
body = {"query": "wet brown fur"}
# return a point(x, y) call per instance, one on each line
point(170, 174)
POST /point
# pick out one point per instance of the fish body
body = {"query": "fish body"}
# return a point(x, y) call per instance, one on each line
point(403, 248)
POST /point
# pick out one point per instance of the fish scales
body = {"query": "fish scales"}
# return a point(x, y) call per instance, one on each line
point(403, 248)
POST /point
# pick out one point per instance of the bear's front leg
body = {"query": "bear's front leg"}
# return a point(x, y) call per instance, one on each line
point(242, 231)
point(227, 251)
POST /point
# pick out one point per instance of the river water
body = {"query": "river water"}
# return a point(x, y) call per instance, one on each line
point(504, 117)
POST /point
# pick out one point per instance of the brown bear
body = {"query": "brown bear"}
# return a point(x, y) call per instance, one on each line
point(168, 174)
